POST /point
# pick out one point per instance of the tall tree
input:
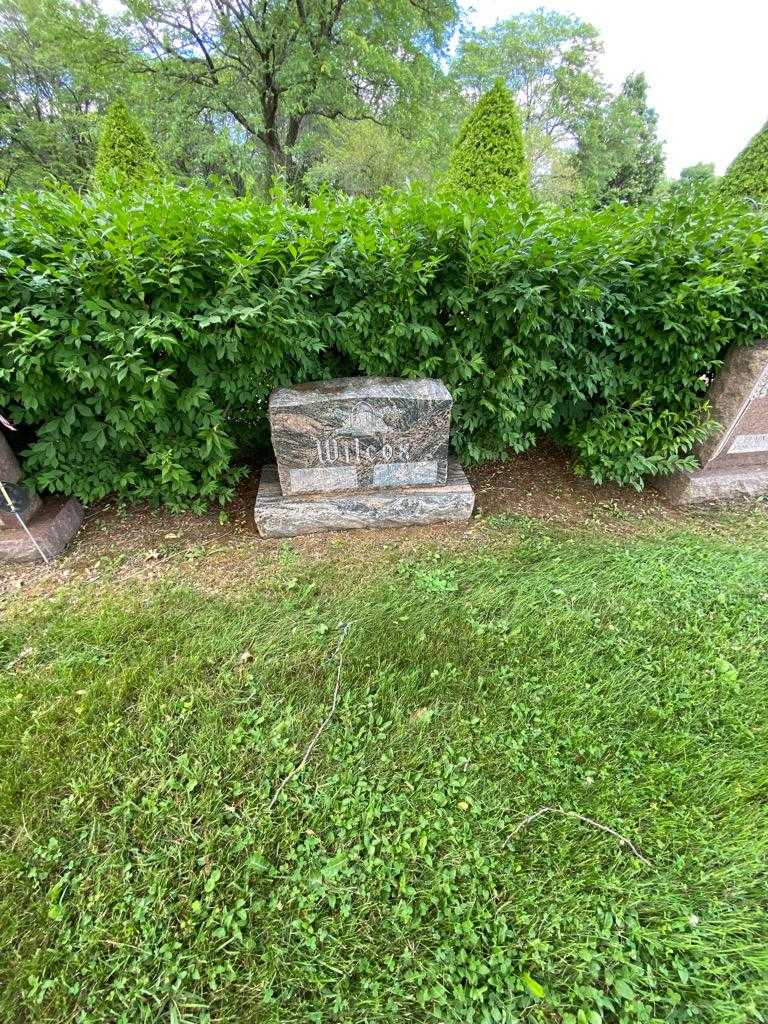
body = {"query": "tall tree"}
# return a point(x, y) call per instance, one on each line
point(620, 156)
point(362, 157)
point(747, 177)
point(274, 68)
point(700, 173)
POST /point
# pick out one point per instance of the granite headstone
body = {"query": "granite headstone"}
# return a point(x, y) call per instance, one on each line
point(734, 461)
point(358, 433)
point(10, 470)
point(360, 452)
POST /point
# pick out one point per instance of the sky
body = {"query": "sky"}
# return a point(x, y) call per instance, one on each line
point(706, 65)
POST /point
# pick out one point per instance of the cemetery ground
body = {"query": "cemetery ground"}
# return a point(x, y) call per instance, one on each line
point(586, 650)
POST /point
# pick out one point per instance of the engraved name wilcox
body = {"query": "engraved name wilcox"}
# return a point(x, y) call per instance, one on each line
point(359, 433)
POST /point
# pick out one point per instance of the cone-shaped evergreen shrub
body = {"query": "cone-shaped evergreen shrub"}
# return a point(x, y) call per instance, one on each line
point(125, 156)
point(489, 157)
point(747, 177)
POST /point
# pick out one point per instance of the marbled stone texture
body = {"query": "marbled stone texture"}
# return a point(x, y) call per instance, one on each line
point(706, 486)
point(360, 433)
point(734, 461)
point(279, 515)
point(739, 402)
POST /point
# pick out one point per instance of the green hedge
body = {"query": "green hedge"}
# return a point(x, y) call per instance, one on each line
point(141, 338)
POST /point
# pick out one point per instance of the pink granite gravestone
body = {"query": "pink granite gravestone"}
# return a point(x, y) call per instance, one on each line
point(734, 461)
point(52, 523)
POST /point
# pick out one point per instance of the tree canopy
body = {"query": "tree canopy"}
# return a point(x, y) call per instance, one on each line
point(349, 93)
point(549, 62)
point(51, 87)
point(274, 69)
point(619, 155)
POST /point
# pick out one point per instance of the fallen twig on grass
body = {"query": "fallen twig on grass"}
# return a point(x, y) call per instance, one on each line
point(337, 656)
point(579, 817)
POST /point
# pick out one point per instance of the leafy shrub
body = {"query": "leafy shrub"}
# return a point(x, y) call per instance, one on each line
point(141, 337)
point(747, 177)
point(489, 156)
point(125, 156)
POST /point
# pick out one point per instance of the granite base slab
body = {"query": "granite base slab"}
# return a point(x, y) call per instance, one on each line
point(279, 515)
point(53, 528)
point(710, 485)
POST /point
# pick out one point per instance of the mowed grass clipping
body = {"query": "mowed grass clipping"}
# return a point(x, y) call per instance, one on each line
point(144, 877)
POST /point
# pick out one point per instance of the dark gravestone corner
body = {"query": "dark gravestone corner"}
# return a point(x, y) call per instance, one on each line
point(46, 526)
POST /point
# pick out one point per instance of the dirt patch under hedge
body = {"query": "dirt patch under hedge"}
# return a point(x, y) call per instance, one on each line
point(537, 486)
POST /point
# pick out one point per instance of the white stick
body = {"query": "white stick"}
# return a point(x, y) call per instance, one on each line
point(579, 817)
point(23, 525)
point(312, 743)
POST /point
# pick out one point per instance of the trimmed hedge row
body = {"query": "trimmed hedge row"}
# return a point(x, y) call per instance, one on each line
point(141, 339)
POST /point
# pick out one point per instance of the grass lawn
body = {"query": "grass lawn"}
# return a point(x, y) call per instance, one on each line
point(146, 727)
